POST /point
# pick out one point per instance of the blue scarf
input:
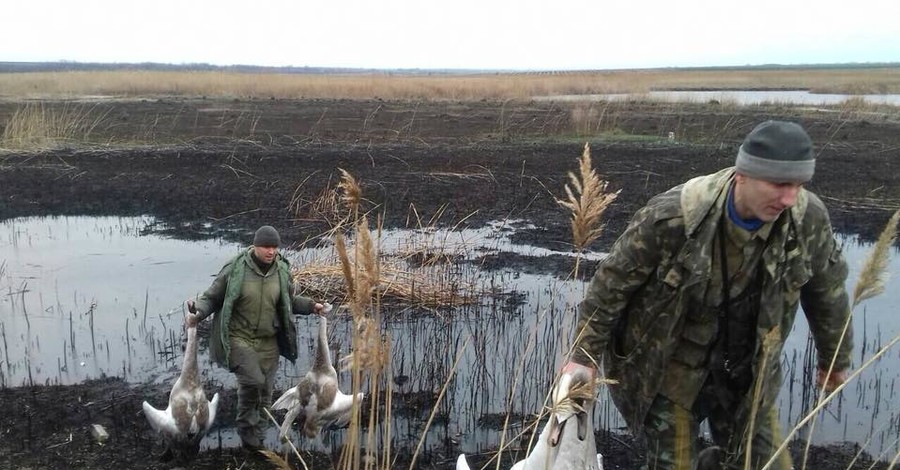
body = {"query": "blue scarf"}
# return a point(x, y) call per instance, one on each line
point(749, 225)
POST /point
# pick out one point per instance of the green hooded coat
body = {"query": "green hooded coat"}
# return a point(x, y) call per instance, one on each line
point(221, 297)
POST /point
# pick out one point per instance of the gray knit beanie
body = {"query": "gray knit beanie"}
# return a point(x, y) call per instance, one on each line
point(266, 236)
point(777, 151)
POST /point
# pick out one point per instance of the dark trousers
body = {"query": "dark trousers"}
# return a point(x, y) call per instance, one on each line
point(672, 435)
point(254, 362)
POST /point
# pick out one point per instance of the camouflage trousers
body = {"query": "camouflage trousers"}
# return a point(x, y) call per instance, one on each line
point(672, 435)
point(254, 362)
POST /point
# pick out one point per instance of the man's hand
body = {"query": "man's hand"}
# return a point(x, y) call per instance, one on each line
point(321, 308)
point(191, 320)
point(571, 375)
point(835, 380)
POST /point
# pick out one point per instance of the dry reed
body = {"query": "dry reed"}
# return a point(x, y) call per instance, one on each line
point(131, 83)
point(352, 193)
point(769, 347)
point(587, 199)
point(870, 283)
point(37, 125)
point(873, 275)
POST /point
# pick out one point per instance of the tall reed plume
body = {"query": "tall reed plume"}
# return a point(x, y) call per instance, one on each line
point(874, 273)
point(587, 199)
point(371, 348)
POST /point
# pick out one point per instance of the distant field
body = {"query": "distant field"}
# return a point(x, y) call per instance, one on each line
point(438, 86)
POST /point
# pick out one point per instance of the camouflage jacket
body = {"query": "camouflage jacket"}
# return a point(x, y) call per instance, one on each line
point(222, 296)
point(634, 311)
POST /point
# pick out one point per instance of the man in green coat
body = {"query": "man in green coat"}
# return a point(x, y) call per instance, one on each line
point(253, 305)
point(691, 309)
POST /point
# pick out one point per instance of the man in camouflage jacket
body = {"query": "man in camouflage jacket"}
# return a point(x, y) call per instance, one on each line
point(253, 324)
point(691, 309)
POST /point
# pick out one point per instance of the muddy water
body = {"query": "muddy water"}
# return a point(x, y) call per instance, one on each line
point(85, 297)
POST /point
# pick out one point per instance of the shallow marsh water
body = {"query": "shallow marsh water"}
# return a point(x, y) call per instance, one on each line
point(60, 276)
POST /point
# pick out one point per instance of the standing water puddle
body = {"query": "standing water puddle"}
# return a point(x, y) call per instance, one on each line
point(84, 297)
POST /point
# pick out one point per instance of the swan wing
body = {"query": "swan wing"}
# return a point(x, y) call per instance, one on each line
point(288, 420)
point(213, 405)
point(289, 399)
point(461, 463)
point(161, 421)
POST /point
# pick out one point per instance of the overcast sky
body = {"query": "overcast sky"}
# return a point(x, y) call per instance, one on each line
point(469, 34)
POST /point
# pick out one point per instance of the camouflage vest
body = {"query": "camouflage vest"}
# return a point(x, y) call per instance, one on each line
point(705, 346)
point(634, 312)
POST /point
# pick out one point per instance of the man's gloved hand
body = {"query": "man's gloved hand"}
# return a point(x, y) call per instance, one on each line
point(835, 380)
point(191, 319)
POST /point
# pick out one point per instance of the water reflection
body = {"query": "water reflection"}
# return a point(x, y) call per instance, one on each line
point(90, 296)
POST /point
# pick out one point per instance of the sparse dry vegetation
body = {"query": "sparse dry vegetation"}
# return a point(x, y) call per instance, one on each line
point(521, 86)
point(36, 125)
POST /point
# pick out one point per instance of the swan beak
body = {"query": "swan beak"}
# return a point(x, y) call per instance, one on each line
point(556, 429)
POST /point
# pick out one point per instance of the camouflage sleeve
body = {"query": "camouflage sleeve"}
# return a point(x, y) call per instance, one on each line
point(633, 258)
point(824, 297)
point(211, 301)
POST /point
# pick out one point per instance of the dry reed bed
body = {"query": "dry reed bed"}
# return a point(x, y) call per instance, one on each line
point(135, 83)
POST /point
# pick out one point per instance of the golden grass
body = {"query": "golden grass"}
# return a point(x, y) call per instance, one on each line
point(134, 83)
point(36, 125)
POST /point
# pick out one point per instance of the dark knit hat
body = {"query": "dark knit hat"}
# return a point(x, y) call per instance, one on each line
point(266, 236)
point(777, 151)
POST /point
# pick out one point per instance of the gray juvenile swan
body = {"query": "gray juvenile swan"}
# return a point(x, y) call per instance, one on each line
point(565, 443)
point(189, 416)
point(316, 401)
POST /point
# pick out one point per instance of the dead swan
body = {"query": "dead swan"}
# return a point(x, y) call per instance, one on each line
point(316, 400)
point(565, 443)
point(189, 416)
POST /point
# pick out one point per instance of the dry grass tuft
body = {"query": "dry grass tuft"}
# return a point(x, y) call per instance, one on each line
point(873, 275)
point(276, 460)
point(588, 199)
point(37, 126)
point(388, 277)
point(579, 394)
point(352, 193)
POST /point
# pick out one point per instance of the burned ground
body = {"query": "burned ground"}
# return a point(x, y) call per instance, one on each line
point(208, 168)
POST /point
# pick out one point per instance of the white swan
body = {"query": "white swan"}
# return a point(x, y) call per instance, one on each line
point(188, 416)
point(565, 443)
point(316, 400)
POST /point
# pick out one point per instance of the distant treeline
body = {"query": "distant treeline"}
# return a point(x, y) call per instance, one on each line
point(23, 67)
point(66, 66)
